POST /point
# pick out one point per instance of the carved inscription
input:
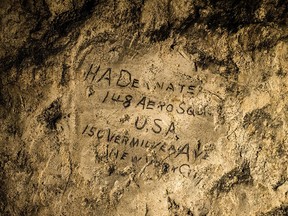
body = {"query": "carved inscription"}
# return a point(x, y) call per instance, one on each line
point(129, 118)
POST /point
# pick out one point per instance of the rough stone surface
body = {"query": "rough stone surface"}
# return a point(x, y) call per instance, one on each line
point(143, 107)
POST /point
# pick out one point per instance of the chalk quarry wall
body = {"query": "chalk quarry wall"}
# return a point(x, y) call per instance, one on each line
point(143, 107)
